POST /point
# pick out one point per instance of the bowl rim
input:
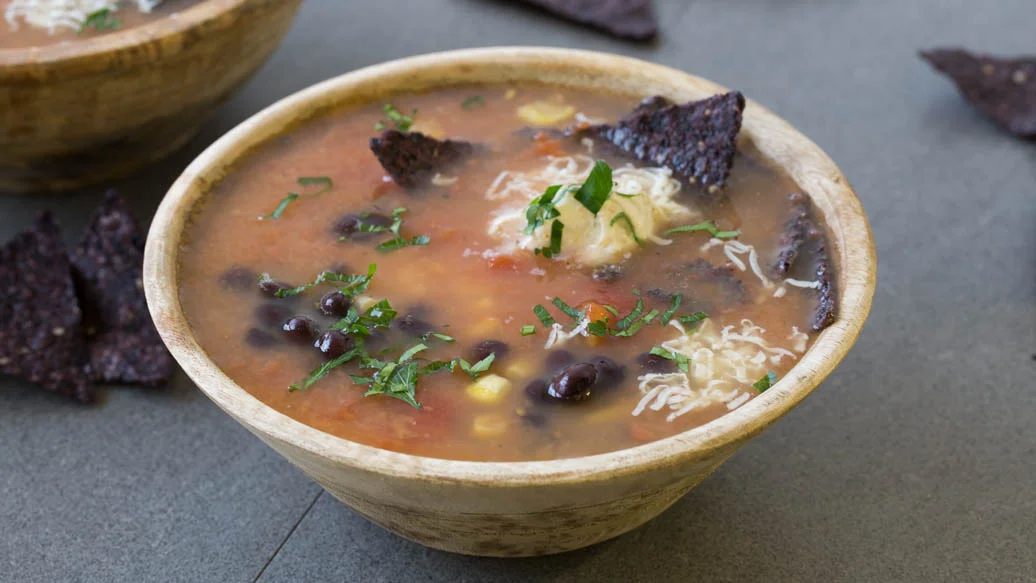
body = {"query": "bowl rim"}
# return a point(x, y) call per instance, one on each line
point(852, 240)
point(14, 60)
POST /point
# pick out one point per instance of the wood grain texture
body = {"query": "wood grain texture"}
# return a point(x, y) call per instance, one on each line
point(90, 111)
point(514, 508)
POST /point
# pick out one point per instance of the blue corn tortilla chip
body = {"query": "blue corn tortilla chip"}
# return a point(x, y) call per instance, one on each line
point(697, 140)
point(627, 19)
point(412, 159)
point(1002, 89)
point(41, 332)
point(124, 346)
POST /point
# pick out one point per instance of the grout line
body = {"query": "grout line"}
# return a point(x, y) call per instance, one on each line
point(288, 536)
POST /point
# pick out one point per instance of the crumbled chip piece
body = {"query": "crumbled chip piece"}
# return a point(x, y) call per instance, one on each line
point(123, 343)
point(412, 159)
point(827, 304)
point(41, 331)
point(1002, 89)
point(697, 140)
point(796, 232)
point(628, 19)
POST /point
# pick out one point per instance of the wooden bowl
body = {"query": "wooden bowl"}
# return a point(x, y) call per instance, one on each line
point(513, 508)
point(92, 110)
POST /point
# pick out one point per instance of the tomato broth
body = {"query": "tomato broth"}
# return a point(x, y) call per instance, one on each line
point(477, 292)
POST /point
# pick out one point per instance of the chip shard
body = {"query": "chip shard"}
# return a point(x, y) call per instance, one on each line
point(626, 19)
point(41, 325)
point(697, 140)
point(1003, 89)
point(124, 346)
point(412, 159)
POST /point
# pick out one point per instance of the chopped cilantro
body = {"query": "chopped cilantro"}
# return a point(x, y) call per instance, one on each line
point(543, 315)
point(769, 380)
point(650, 316)
point(598, 186)
point(352, 284)
point(568, 310)
point(692, 319)
point(303, 181)
point(528, 330)
point(681, 360)
point(443, 337)
point(401, 242)
point(322, 370)
point(396, 117)
point(277, 212)
point(598, 328)
point(476, 369)
point(629, 223)
point(631, 317)
point(103, 19)
point(704, 226)
point(674, 304)
point(542, 208)
point(473, 102)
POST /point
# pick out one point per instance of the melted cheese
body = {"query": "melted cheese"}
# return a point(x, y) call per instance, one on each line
point(649, 204)
point(71, 14)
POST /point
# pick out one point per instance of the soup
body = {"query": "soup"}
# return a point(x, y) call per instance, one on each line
point(28, 25)
point(444, 313)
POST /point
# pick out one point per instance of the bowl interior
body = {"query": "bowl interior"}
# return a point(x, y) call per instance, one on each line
point(782, 145)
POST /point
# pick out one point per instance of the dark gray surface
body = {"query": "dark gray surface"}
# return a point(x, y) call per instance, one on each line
point(915, 461)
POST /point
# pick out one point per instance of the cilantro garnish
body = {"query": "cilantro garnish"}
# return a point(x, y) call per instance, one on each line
point(769, 380)
point(473, 102)
point(476, 369)
point(397, 241)
point(704, 226)
point(103, 19)
point(568, 310)
point(322, 370)
point(528, 330)
point(692, 319)
point(302, 181)
point(629, 223)
point(544, 316)
point(674, 304)
point(352, 284)
point(556, 230)
point(276, 214)
point(681, 360)
point(401, 120)
point(542, 208)
point(598, 186)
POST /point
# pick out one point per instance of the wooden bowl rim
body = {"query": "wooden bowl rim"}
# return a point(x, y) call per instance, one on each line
point(126, 43)
point(852, 241)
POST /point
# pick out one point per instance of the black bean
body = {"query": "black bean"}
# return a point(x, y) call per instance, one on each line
point(334, 304)
point(653, 363)
point(412, 325)
point(239, 278)
point(300, 329)
point(607, 273)
point(609, 372)
point(257, 338)
point(334, 343)
point(348, 226)
point(536, 390)
point(487, 347)
point(574, 383)
point(270, 287)
point(272, 315)
point(558, 359)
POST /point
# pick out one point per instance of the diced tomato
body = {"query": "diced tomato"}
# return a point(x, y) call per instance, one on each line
point(547, 146)
point(502, 262)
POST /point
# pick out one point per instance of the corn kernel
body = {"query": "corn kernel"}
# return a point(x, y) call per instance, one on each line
point(510, 94)
point(545, 113)
point(489, 425)
point(489, 388)
point(518, 369)
point(361, 303)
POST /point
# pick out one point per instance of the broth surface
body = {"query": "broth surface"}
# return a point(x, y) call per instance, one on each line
point(455, 285)
point(128, 15)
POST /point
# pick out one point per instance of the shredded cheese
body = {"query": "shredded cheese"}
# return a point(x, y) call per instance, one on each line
point(649, 205)
point(69, 14)
point(724, 362)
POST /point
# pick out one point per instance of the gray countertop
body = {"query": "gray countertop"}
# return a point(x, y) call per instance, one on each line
point(915, 461)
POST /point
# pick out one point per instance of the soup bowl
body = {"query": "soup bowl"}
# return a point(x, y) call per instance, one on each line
point(512, 508)
point(91, 110)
